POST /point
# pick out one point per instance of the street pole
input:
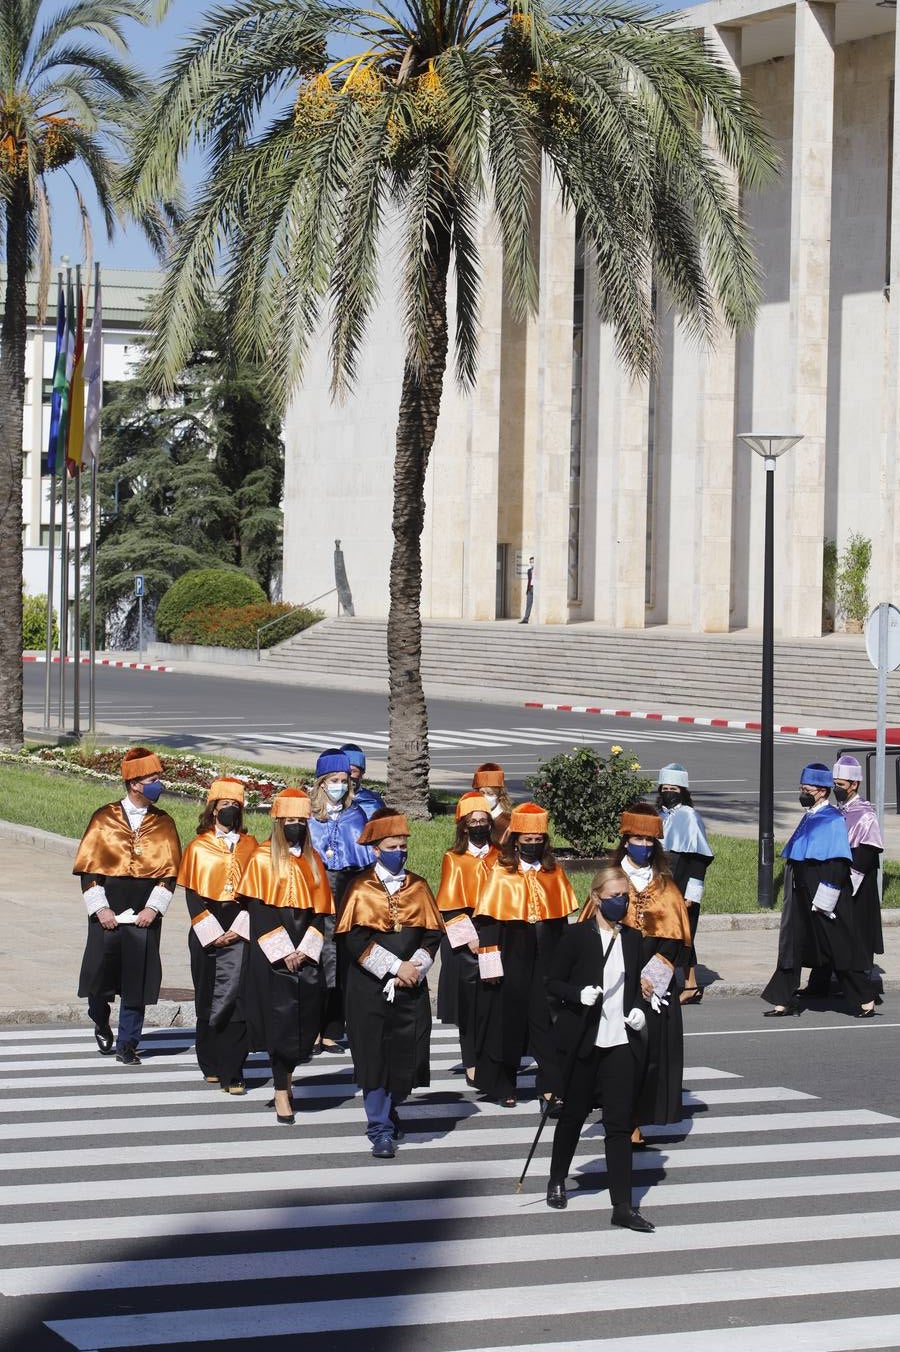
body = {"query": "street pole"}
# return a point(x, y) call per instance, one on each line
point(769, 446)
point(765, 889)
point(884, 615)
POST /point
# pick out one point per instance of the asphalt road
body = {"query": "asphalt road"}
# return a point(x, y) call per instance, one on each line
point(278, 722)
point(140, 1208)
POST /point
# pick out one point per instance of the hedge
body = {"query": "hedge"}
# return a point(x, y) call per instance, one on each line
point(236, 626)
point(203, 587)
point(34, 624)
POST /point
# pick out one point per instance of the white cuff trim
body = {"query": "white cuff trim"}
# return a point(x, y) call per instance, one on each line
point(95, 898)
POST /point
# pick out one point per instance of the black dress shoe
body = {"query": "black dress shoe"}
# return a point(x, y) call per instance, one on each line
point(104, 1039)
point(383, 1148)
point(630, 1219)
point(785, 1012)
point(128, 1055)
point(556, 1196)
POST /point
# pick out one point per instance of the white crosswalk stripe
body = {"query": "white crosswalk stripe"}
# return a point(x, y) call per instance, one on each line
point(142, 1209)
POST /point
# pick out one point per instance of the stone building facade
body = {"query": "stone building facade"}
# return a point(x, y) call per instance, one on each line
point(637, 500)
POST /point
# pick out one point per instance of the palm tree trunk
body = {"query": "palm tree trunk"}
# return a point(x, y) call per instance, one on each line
point(420, 402)
point(12, 407)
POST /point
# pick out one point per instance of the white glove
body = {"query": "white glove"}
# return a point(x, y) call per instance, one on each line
point(636, 1020)
point(590, 995)
point(657, 1002)
point(389, 990)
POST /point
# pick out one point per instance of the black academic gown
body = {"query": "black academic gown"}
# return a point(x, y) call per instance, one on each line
point(124, 961)
point(219, 980)
point(659, 1099)
point(284, 1009)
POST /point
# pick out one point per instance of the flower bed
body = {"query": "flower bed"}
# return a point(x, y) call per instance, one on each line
point(182, 774)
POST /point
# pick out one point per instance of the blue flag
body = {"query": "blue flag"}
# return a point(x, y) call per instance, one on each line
point(56, 397)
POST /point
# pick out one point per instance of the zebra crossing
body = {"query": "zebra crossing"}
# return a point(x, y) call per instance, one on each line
point(143, 1209)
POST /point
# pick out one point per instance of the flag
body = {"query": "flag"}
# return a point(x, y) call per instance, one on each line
point(59, 379)
point(75, 444)
point(63, 374)
point(93, 373)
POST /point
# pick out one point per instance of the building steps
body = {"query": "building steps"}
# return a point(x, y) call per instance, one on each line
point(818, 681)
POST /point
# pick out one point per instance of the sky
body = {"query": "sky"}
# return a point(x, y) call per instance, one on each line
point(151, 49)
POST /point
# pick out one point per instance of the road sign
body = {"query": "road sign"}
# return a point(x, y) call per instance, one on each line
point(139, 584)
point(893, 637)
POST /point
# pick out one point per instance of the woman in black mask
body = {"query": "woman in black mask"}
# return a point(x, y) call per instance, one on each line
point(465, 870)
point(289, 900)
point(599, 1034)
point(212, 867)
point(520, 917)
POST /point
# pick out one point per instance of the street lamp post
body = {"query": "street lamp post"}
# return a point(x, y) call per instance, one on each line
point(770, 447)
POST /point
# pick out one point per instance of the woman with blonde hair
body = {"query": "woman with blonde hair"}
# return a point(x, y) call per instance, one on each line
point(465, 870)
point(289, 901)
point(594, 985)
point(520, 917)
point(211, 869)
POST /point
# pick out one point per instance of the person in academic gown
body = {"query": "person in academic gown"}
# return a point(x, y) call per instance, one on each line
point(489, 780)
point(287, 894)
point(335, 827)
point(212, 866)
point(365, 798)
point(599, 1033)
point(389, 930)
point(818, 918)
point(867, 847)
point(520, 917)
point(684, 840)
point(657, 911)
point(128, 861)
point(464, 871)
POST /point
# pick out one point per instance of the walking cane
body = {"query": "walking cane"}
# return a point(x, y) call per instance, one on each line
point(547, 1103)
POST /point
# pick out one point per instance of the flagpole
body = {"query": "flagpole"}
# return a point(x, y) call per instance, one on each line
point(76, 599)
point(51, 552)
point(92, 673)
point(64, 555)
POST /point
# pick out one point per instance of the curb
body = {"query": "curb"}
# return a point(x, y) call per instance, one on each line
point(740, 724)
point(167, 1014)
point(98, 662)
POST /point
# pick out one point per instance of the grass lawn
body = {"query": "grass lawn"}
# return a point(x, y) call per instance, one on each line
point(35, 796)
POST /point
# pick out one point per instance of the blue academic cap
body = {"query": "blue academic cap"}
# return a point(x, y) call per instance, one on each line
point(818, 774)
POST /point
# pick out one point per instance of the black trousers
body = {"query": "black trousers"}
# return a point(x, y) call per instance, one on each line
point(607, 1075)
point(785, 981)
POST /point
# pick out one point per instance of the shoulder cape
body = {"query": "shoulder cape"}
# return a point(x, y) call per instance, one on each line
point(862, 824)
point(298, 889)
point(211, 870)
point(659, 911)
point(684, 832)
point(110, 848)
point(463, 877)
point(531, 896)
point(366, 903)
point(819, 835)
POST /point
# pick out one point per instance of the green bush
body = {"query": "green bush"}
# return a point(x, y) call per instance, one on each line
point(34, 624)
point(201, 588)
point(585, 795)
point(853, 578)
point(236, 626)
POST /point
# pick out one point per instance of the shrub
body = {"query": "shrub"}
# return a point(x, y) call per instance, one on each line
point(34, 624)
point(585, 794)
point(236, 626)
point(205, 587)
point(853, 578)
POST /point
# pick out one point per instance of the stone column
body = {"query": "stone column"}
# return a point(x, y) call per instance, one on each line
point(554, 396)
point(715, 438)
point(481, 522)
point(801, 607)
point(889, 469)
point(630, 489)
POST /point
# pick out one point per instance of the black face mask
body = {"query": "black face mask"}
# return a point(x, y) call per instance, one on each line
point(479, 835)
point(228, 817)
point(671, 798)
point(295, 832)
point(841, 795)
point(807, 799)
point(530, 852)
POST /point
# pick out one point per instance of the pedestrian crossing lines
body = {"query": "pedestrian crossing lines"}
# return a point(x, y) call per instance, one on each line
point(156, 1212)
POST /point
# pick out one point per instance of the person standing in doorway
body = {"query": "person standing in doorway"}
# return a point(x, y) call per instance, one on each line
point(529, 591)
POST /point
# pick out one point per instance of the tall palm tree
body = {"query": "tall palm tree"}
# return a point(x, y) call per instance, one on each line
point(67, 98)
point(319, 121)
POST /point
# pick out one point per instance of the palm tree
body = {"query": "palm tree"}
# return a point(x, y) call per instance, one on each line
point(66, 98)
point(427, 110)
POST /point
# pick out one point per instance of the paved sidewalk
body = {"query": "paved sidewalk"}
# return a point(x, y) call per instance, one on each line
point(42, 927)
